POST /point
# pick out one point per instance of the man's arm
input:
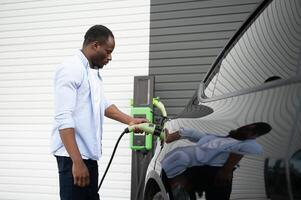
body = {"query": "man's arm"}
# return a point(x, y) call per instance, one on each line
point(79, 169)
point(114, 113)
point(224, 176)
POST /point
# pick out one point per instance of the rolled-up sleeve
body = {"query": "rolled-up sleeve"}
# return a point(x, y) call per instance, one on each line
point(66, 82)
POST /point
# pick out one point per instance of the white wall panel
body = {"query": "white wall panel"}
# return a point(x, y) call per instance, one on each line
point(35, 36)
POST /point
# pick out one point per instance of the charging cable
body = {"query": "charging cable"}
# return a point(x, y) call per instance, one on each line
point(112, 156)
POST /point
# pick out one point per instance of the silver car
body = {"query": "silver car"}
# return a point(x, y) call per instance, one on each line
point(256, 78)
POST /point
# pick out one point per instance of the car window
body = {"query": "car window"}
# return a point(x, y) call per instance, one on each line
point(268, 50)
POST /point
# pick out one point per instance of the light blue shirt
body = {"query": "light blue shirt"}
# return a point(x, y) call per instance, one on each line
point(209, 150)
point(80, 104)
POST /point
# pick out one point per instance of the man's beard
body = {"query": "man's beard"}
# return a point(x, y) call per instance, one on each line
point(97, 62)
point(97, 66)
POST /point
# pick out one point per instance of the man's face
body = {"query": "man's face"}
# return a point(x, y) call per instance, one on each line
point(103, 52)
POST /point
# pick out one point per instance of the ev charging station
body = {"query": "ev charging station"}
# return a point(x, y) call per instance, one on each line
point(141, 144)
point(142, 106)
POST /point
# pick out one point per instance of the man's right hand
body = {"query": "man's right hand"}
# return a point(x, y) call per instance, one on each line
point(81, 174)
point(79, 169)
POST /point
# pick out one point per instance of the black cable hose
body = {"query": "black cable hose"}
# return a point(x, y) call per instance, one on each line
point(112, 156)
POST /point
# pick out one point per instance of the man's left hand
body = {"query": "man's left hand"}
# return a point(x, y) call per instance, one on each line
point(138, 121)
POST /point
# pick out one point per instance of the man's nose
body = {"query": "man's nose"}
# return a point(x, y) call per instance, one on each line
point(110, 57)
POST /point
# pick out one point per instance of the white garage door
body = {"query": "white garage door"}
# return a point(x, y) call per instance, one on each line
point(34, 37)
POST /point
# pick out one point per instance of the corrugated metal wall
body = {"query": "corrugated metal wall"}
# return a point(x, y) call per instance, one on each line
point(185, 38)
point(35, 36)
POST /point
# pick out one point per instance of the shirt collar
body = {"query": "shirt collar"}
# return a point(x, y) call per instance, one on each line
point(85, 62)
point(83, 59)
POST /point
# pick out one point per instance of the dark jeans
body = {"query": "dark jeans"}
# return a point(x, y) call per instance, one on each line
point(69, 191)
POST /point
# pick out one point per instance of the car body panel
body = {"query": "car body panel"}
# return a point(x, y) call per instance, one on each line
point(238, 91)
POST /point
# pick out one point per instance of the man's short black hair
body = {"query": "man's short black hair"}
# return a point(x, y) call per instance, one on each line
point(260, 128)
point(98, 33)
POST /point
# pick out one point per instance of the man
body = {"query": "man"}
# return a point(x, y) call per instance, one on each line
point(80, 107)
point(208, 165)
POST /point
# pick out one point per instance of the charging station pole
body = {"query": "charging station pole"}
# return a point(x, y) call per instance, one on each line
point(141, 144)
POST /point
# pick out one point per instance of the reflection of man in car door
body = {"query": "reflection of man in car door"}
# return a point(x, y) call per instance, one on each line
point(208, 165)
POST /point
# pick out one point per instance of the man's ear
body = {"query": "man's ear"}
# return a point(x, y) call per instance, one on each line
point(94, 45)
